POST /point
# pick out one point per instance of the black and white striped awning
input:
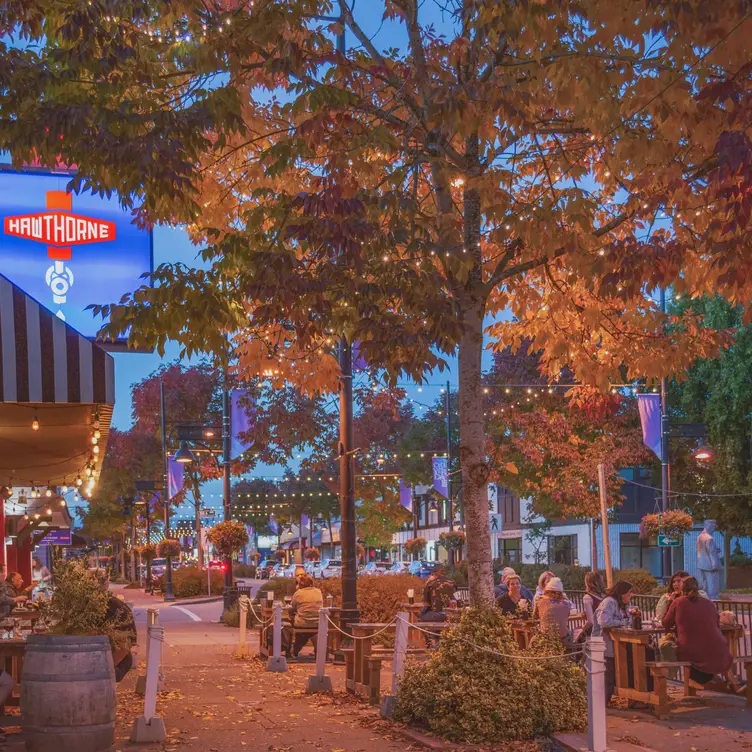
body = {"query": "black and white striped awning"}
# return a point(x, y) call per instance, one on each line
point(43, 360)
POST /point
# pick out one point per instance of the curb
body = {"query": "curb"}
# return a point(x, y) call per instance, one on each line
point(181, 602)
point(579, 743)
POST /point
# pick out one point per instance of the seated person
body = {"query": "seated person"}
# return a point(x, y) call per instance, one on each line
point(306, 603)
point(553, 609)
point(119, 618)
point(696, 623)
point(437, 595)
point(512, 601)
point(501, 588)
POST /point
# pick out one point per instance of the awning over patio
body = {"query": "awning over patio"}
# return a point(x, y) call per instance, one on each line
point(55, 387)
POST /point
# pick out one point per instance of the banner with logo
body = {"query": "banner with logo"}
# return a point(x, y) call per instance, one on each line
point(242, 416)
point(441, 476)
point(67, 250)
point(175, 477)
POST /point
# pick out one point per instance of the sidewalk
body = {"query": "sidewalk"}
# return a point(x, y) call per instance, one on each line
point(215, 703)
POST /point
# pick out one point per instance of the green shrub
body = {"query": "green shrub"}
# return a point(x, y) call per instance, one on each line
point(190, 582)
point(280, 586)
point(465, 695)
point(231, 617)
point(642, 581)
point(244, 570)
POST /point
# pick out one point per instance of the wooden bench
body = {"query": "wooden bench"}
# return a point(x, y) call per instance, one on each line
point(375, 660)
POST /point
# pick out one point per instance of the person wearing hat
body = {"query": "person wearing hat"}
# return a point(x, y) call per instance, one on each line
point(502, 588)
point(553, 609)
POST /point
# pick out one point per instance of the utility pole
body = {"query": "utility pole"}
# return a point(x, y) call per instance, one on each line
point(149, 587)
point(168, 594)
point(665, 460)
point(450, 505)
point(347, 489)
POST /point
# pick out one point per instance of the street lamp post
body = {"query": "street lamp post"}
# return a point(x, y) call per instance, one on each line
point(229, 592)
point(169, 595)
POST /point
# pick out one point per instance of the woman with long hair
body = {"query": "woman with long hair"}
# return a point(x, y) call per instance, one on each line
point(612, 614)
point(696, 623)
point(595, 592)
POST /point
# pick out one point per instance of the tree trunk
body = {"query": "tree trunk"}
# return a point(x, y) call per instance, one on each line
point(473, 459)
point(472, 429)
point(122, 561)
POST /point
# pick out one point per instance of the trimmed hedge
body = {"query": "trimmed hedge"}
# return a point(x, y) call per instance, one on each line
point(189, 582)
point(244, 570)
point(466, 695)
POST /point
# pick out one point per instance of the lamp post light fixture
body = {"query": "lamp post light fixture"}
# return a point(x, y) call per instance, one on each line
point(184, 455)
point(703, 453)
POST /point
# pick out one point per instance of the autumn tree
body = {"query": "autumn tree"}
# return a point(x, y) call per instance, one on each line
point(550, 162)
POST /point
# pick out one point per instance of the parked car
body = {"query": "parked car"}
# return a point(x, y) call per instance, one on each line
point(398, 567)
point(315, 569)
point(266, 567)
point(331, 568)
point(423, 569)
point(279, 567)
point(375, 568)
point(288, 571)
point(216, 564)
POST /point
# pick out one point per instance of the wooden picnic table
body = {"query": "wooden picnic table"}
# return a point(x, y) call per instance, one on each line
point(523, 630)
point(636, 642)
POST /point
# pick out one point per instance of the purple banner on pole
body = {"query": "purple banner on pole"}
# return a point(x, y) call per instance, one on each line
point(273, 524)
point(304, 521)
point(406, 495)
point(242, 416)
point(174, 477)
point(441, 476)
point(650, 417)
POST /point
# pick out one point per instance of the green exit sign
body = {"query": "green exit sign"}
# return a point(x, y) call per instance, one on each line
point(665, 542)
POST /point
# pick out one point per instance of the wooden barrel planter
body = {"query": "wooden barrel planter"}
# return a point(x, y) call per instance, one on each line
point(68, 694)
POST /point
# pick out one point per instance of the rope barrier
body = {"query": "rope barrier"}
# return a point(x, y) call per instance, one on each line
point(261, 622)
point(496, 652)
point(366, 637)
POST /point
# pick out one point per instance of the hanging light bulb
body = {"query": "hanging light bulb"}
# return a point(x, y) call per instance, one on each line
point(48, 511)
point(36, 516)
point(62, 503)
point(64, 489)
point(35, 424)
point(95, 449)
point(48, 492)
point(89, 471)
point(97, 434)
point(94, 440)
point(79, 482)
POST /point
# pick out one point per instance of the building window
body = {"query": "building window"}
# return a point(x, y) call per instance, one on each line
point(510, 550)
point(639, 553)
point(562, 549)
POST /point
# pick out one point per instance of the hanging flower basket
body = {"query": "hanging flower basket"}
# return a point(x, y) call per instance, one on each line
point(168, 548)
point(280, 555)
point(312, 554)
point(148, 551)
point(452, 541)
point(415, 546)
point(255, 557)
point(673, 524)
point(228, 537)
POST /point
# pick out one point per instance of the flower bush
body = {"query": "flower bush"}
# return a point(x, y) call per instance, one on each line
point(415, 546)
point(457, 695)
point(452, 541)
point(228, 537)
point(169, 547)
point(674, 523)
point(312, 554)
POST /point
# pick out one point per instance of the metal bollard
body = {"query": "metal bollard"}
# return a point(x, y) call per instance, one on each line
point(320, 682)
point(150, 727)
point(398, 662)
point(152, 620)
point(277, 662)
point(241, 651)
point(595, 667)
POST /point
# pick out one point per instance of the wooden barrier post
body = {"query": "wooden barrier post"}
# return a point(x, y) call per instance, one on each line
point(402, 628)
point(150, 727)
point(320, 682)
point(595, 667)
point(241, 651)
point(604, 526)
point(277, 662)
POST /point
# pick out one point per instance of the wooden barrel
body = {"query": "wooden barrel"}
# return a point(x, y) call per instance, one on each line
point(68, 694)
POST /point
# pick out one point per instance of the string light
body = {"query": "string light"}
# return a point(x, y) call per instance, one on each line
point(35, 424)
